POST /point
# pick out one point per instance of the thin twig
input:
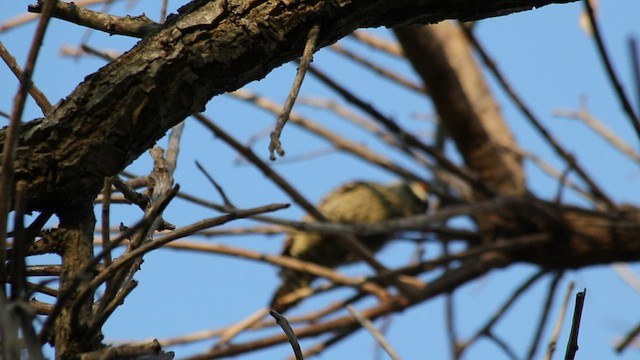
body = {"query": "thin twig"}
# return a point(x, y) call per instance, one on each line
point(502, 345)
point(601, 129)
point(349, 115)
point(382, 341)
point(106, 208)
point(18, 321)
point(547, 168)
point(486, 329)
point(385, 73)
point(615, 82)
point(42, 289)
point(503, 245)
point(20, 244)
point(544, 315)
point(333, 340)
point(336, 139)
point(35, 93)
point(562, 181)
point(635, 66)
point(449, 309)
point(310, 155)
point(18, 316)
point(106, 55)
point(307, 56)
point(163, 11)
point(13, 132)
point(551, 347)
point(291, 335)
point(385, 326)
point(131, 194)
point(378, 43)
point(216, 186)
point(103, 315)
point(572, 344)
point(249, 322)
point(138, 26)
point(260, 229)
point(25, 18)
point(29, 334)
point(626, 273)
point(622, 344)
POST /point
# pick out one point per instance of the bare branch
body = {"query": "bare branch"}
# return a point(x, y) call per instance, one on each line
point(339, 141)
point(551, 347)
point(487, 328)
point(216, 186)
point(291, 335)
point(572, 343)
point(544, 315)
point(378, 43)
point(382, 341)
point(384, 72)
point(601, 129)
point(307, 57)
point(615, 82)
point(139, 26)
point(7, 167)
point(35, 93)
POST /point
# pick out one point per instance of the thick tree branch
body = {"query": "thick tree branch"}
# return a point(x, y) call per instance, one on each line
point(442, 57)
point(209, 48)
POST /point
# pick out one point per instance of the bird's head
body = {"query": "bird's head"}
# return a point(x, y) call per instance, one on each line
point(414, 193)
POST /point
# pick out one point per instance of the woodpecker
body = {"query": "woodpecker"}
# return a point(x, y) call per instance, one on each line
point(356, 202)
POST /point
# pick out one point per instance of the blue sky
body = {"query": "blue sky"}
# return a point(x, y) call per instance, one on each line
point(551, 63)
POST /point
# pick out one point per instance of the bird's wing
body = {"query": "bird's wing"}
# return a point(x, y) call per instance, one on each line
point(327, 206)
point(360, 202)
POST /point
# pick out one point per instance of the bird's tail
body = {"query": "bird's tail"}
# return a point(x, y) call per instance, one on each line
point(292, 290)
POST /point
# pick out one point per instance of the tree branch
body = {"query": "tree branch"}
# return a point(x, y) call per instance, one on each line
point(121, 110)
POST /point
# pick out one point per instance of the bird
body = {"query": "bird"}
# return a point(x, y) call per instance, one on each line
point(357, 202)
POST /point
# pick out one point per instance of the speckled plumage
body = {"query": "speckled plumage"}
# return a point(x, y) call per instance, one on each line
point(355, 202)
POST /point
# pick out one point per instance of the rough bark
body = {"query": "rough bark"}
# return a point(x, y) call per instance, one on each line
point(75, 236)
point(208, 48)
point(579, 237)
